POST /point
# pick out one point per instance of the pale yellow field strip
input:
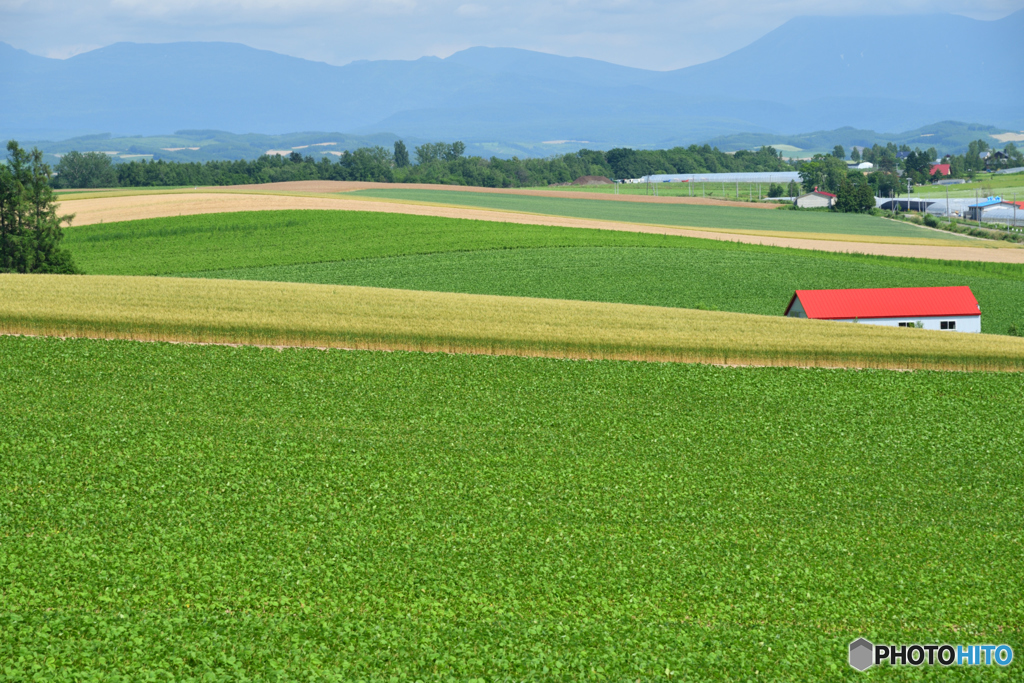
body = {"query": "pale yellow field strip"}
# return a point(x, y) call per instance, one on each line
point(290, 314)
point(92, 210)
point(329, 187)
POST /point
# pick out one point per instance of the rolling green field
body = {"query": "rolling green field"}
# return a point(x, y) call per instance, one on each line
point(215, 513)
point(451, 255)
point(734, 191)
point(719, 217)
point(1003, 185)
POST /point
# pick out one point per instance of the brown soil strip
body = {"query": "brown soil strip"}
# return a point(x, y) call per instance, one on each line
point(134, 207)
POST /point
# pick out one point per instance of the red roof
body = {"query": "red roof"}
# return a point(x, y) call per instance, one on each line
point(899, 302)
point(944, 168)
point(827, 194)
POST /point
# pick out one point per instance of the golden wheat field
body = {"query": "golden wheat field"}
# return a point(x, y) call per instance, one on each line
point(289, 314)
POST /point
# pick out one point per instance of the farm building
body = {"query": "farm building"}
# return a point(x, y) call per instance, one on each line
point(816, 200)
point(942, 169)
point(933, 308)
point(975, 211)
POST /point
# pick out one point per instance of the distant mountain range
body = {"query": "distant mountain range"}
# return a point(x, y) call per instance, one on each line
point(813, 73)
point(207, 145)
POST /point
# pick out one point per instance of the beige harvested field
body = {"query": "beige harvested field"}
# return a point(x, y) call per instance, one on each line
point(91, 209)
point(326, 187)
point(334, 186)
point(290, 314)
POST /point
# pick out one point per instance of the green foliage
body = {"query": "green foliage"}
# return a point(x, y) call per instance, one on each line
point(401, 154)
point(245, 513)
point(30, 229)
point(855, 155)
point(479, 257)
point(838, 152)
point(885, 184)
point(440, 162)
point(92, 169)
point(854, 194)
point(439, 151)
point(824, 172)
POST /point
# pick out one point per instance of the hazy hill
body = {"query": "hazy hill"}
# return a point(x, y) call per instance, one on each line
point(812, 73)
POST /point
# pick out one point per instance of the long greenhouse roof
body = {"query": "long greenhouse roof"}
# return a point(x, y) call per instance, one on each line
point(776, 177)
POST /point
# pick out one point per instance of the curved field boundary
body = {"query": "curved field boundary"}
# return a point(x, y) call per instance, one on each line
point(290, 314)
point(341, 186)
point(91, 210)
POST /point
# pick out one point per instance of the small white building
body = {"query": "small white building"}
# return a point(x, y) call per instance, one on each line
point(933, 308)
point(816, 200)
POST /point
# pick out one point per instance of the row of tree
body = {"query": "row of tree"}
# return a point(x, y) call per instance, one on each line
point(439, 162)
point(30, 229)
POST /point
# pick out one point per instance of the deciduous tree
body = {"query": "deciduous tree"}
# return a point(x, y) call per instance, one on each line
point(92, 169)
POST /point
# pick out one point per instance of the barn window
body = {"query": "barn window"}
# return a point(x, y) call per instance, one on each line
point(906, 324)
point(947, 325)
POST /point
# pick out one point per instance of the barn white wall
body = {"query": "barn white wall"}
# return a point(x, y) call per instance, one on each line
point(813, 201)
point(964, 323)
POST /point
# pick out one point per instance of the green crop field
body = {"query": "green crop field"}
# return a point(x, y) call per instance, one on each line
point(685, 215)
point(1006, 186)
point(733, 191)
point(216, 513)
point(452, 255)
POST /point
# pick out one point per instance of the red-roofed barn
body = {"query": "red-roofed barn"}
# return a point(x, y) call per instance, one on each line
point(933, 308)
point(818, 199)
point(940, 168)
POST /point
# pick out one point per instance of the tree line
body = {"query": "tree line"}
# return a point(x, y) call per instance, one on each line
point(440, 162)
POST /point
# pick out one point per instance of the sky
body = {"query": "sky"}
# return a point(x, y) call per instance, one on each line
point(640, 33)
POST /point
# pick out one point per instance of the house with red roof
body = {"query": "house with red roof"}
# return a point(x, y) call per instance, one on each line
point(932, 308)
point(942, 169)
point(818, 199)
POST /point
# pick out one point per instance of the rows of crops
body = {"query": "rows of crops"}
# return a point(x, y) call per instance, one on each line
point(730, 280)
point(685, 215)
point(452, 255)
point(297, 314)
point(175, 511)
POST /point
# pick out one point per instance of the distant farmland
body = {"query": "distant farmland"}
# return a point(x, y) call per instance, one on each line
point(717, 217)
point(478, 257)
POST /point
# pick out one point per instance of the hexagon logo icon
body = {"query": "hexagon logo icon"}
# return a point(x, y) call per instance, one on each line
point(862, 654)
